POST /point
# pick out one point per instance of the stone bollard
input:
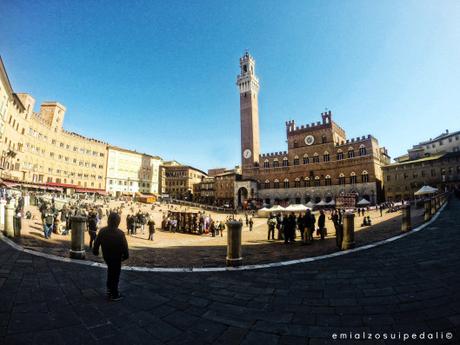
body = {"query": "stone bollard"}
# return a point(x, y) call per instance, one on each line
point(406, 224)
point(2, 216)
point(77, 244)
point(348, 241)
point(9, 213)
point(427, 213)
point(234, 257)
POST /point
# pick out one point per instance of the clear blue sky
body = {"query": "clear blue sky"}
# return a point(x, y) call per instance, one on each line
point(159, 76)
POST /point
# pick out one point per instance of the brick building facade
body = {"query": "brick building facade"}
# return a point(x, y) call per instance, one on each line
point(320, 163)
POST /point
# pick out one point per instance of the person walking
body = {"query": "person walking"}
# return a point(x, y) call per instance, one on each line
point(151, 225)
point(114, 251)
point(251, 224)
point(48, 222)
point(271, 226)
point(92, 228)
point(321, 224)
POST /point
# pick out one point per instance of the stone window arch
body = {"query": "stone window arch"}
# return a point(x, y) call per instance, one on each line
point(316, 158)
point(297, 182)
point(326, 156)
point(317, 181)
point(351, 152)
point(339, 154)
point(362, 150)
point(341, 179)
point(353, 177)
point(276, 164)
point(327, 180)
point(306, 182)
point(276, 183)
point(286, 183)
point(266, 163)
point(364, 176)
point(285, 162)
point(296, 160)
point(267, 184)
point(306, 160)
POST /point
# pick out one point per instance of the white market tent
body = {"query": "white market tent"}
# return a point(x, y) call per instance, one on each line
point(296, 208)
point(276, 208)
point(263, 212)
point(322, 203)
point(426, 190)
point(331, 203)
point(310, 204)
point(363, 202)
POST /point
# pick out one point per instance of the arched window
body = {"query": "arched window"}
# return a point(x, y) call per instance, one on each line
point(276, 183)
point(267, 184)
point(351, 152)
point(266, 163)
point(286, 183)
point(306, 182)
point(353, 178)
point(296, 144)
point(297, 182)
point(306, 160)
point(317, 181)
point(296, 160)
point(285, 162)
point(341, 179)
point(315, 158)
point(364, 176)
point(327, 180)
point(326, 156)
point(276, 164)
point(339, 154)
point(362, 150)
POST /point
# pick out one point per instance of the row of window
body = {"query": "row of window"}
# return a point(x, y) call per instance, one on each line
point(81, 150)
point(315, 158)
point(423, 173)
point(317, 181)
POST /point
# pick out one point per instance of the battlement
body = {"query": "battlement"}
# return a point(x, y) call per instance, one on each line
point(291, 127)
point(274, 154)
point(355, 140)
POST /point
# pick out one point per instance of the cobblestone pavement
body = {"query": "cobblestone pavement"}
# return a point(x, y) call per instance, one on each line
point(186, 250)
point(409, 285)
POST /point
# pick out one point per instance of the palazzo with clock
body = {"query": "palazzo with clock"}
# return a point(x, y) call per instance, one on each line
point(320, 162)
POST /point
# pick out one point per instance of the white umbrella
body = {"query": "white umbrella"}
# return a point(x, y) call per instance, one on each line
point(331, 203)
point(426, 190)
point(296, 208)
point(363, 202)
point(263, 211)
point(321, 203)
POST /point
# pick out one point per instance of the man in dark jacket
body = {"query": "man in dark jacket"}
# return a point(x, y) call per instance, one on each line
point(114, 251)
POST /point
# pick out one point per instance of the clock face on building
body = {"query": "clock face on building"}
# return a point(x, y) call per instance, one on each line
point(247, 153)
point(309, 139)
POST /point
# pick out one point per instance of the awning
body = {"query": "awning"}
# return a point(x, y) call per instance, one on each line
point(8, 184)
point(89, 190)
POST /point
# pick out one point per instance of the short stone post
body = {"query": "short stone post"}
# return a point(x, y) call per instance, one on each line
point(427, 213)
point(2, 216)
point(433, 206)
point(77, 244)
point(234, 254)
point(9, 213)
point(406, 224)
point(348, 241)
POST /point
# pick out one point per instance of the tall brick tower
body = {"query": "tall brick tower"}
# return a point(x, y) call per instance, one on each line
point(248, 84)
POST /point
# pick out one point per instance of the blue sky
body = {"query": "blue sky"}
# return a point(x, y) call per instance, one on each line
point(159, 76)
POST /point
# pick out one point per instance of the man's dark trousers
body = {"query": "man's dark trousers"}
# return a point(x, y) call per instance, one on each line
point(113, 276)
